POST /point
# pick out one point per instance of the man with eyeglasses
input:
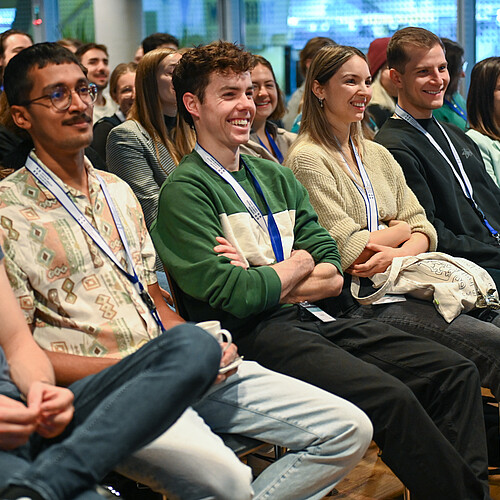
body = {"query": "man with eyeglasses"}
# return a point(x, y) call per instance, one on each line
point(56, 443)
point(80, 261)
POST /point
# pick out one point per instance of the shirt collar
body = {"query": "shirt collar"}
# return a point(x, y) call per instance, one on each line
point(94, 185)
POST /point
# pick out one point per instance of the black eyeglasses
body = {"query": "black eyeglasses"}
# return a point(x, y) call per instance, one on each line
point(61, 96)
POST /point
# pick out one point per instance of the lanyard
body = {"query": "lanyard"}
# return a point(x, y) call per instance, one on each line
point(49, 182)
point(366, 192)
point(461, 176)
point(271, 227)
point(456, 108)
point(274, 146)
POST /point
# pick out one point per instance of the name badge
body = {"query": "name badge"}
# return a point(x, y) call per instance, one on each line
point(316, 311)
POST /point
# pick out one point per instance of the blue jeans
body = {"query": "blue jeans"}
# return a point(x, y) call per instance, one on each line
point(473, 338)
point(326, 436)
point(117, 411)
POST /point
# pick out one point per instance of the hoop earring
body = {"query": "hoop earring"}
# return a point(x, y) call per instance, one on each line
point(321, 101)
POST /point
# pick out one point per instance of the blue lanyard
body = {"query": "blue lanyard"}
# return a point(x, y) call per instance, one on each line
point(366, 192)
point(456, 108)
point(461, 176)
point(271, 227)
point(274, 146)
point(66, 202)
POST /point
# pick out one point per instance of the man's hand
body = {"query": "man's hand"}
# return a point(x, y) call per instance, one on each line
point(378, 263)
point(228, 357)
point(166, 296)
point(227, 250)
point(17, 423)
point(54, 405)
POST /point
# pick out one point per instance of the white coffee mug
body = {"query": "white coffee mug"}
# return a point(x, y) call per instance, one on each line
point(213, 327)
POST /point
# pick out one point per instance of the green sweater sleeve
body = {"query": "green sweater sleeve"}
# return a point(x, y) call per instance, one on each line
point(184, 235)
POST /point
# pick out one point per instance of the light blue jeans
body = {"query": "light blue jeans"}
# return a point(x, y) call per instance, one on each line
point(326, 436)
point(117, 412)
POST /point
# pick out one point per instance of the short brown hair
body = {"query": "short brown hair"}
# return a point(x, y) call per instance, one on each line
point(279, 111)
point(311, 49)
point(192, 74)
point(398, 54)
point(7, 34)
point(80, 52)
point(120, 70)
point(314, 122)
point(480, 101)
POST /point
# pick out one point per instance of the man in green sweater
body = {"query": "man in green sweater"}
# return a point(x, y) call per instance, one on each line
point(271, 254)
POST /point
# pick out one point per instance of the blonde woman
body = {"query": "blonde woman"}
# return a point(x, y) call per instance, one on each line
point(141, 150)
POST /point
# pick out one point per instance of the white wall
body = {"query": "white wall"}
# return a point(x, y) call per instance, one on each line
point(119, 26)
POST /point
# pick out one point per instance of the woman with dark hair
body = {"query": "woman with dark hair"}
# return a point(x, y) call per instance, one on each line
point(362, 199)
point(270, 107)
point(483, 110)
point(122, 90)
point(141, 150)
point(453, 109)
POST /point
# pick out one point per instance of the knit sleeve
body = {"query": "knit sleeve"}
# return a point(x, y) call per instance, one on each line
point(185, 239)
point(328, 196)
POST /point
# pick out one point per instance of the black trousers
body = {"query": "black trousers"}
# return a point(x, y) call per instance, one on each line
point(422, 398)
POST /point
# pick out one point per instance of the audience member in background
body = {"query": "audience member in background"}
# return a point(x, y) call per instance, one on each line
point(483, 111)
point(384, 93)
point(86, 300)
point(141, 150)
point(70, 43)
point(339, 168)
point(257, 275)
point(95, 58)
point(55, 443)
point(159, 41)
point(305, 58)
point(442, 165)
point(270, 107)
point(453, 109)
point(122, 91)
point(139, 54)
point(11, 43)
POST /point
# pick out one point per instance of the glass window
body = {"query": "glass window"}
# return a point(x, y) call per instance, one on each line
point(487, 29)
point(278, 29)
point(191, 21)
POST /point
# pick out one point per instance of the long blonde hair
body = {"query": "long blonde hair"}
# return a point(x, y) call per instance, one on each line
point(147, 107)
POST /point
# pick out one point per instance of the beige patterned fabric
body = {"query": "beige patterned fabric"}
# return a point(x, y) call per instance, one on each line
point(72, 294)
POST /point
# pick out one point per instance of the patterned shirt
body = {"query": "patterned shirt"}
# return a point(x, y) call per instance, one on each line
point(75, 298)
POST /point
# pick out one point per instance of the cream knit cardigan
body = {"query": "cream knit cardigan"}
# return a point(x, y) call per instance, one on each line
point(337, 201)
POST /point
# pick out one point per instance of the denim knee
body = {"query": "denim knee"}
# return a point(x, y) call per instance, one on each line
point(361, 434)
point(202, 352)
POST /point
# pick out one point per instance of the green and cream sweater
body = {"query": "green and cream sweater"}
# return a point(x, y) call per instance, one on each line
point(196, 206)
point(340, 206)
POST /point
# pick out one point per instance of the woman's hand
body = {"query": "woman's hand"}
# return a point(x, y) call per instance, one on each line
point(403, 228)
point(377, 263)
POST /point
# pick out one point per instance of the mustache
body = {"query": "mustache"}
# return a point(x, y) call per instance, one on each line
point(77, 119)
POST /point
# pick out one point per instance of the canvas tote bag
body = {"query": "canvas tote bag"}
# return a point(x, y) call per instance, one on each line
point(453, 284)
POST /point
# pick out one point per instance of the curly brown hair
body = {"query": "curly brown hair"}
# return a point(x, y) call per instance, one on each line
point(192, 73)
